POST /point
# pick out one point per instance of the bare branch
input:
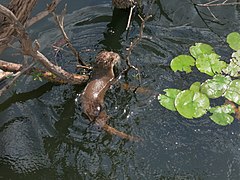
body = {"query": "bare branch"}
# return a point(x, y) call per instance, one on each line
point(28, 49)
point(213, 4)
point(130, 17)
point(41, 15)
point(17, 75)
point(14, 67)
point(22, 14)
point(212, 14)
point(4, 75)
point(58, 71)
point(60, 22)
point(136, 41)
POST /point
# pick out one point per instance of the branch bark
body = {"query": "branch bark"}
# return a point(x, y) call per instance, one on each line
point(10, 68)
point(60, 22)
point(28, 49)
point(21, 9)
point(50, 8)
point(17, 75)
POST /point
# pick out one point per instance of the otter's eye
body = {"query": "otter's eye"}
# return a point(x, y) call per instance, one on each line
point(96, 111)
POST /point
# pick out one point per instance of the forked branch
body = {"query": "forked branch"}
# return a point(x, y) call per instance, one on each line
point(60, 22)
point(33, 51)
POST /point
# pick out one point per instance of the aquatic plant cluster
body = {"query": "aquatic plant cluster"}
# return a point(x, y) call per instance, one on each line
point(195, 101)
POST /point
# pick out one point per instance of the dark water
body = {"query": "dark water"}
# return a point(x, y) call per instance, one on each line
point(43, 134)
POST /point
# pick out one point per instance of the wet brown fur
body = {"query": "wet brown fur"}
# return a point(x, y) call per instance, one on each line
point(92, 98)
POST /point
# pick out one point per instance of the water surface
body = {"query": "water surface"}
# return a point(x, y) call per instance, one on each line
point(43, 134)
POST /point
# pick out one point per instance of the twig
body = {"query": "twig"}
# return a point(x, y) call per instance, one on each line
point(213, 4)
point(21, 9)
point(135, 43)
point(4, 75)
point(17, 75)
point(14, 67)
point(85, 67)
point(60, 22)
point(29, 49)
point(212, 14)
point(202, 18)
point(50, 8)
point(130, 17)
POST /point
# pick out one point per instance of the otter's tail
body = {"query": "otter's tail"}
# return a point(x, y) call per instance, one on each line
point(123, 135)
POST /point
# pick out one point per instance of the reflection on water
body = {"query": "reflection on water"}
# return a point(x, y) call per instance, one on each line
point(43, 134)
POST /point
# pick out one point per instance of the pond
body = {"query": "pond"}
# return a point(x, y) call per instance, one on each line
point(43, 134)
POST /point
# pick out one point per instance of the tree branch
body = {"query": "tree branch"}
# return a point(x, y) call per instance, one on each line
point(214, 4)
point(28, 49)
point(50, 8)
point(17, 75)
point(21, 9)
point(11, 68)
point(60, 22)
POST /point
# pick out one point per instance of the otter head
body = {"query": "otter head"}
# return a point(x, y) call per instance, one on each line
point(107, 59)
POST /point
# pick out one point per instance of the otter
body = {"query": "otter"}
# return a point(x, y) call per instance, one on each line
point(92, 98)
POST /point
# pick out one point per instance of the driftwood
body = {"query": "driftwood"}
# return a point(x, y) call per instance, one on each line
point(33, 51)
point(13, 22)
point(12, 68)
point(21, 9)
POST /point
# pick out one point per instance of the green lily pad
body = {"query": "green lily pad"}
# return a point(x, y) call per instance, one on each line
point(233, 68)
point(200, 49)
point(215, 87)
point(233, 39)
point(167, 100)
point(182, 63)
point(221, 114)
point(226, 108)
point(191, 104)
point(222, 119)
point(233, 91)
point(210, 64)
point(236, 56)
point(195, 87)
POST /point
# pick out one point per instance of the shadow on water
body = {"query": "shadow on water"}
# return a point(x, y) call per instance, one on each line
point(43, 134)
point(22, 97)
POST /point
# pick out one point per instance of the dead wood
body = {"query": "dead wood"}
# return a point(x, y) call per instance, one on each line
point(16, 76)
point(32, 49)
point(21, 9)
point(10, 68)
point(50, 8)
point(60, 22)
